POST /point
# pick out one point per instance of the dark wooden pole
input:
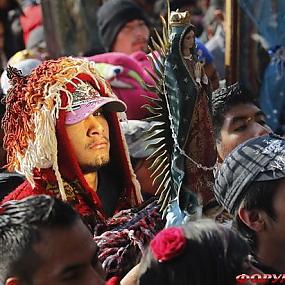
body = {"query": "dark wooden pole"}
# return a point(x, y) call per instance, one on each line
point(232, 30)
point(70, 27)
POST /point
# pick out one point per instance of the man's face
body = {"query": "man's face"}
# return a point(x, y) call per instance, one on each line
point(242, 122)
point(90, 141)
point(276, 228)
point(67, 256)
point(132, 37)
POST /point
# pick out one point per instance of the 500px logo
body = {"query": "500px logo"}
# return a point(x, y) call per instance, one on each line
point(261, 278)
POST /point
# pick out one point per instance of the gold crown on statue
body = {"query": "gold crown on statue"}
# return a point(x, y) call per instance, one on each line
point(179, 18)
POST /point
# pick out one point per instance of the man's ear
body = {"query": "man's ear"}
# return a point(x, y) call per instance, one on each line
point(253, 219)
point(12, 281)
point(219, 151)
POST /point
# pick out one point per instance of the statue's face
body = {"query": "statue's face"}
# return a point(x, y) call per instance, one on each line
point(189, 40)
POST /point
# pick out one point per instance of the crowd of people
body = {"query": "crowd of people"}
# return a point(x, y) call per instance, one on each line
point(97, 154)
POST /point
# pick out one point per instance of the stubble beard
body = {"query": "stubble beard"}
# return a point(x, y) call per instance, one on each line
point(98, 163)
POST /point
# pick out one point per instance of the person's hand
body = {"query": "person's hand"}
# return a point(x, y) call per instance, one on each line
point(132, 276)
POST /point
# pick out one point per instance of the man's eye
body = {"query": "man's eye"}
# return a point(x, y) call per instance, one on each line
point(72, 275)
point(240, 128)
point(262, 122)
point(98, 113)
point(127, 28)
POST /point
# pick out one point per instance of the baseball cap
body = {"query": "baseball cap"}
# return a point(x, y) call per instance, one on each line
point(87, 100)
point(258, 159)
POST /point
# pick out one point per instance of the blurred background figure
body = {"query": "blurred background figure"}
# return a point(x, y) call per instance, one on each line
point(31, 17)
point(268, 19)
point(36, 48)
point(124, 30)
point(123, 26)
point(10, 12)
point(215, 22)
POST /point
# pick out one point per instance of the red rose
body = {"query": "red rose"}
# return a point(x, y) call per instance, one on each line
point(168, 243)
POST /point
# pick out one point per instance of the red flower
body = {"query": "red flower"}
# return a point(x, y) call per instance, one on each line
point(168, 243)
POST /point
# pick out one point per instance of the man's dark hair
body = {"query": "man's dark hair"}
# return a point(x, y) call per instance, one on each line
point(212, 255)
point(21, 225)
point(223, 99)
point(259, 196)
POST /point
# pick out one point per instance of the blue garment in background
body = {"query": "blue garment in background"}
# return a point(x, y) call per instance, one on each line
point(203, 53)
point(268, 16)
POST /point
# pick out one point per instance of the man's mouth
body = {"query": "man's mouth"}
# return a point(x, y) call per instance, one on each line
point(99, 144)
point(140, 43)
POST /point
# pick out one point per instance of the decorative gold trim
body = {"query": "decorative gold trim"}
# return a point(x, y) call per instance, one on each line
point(179, 19)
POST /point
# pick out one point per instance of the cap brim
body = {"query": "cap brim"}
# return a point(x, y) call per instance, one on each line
point(83, 111)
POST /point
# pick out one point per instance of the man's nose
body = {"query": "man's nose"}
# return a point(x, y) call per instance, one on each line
point(139, 30)
point(95, 126)
point(262, 130)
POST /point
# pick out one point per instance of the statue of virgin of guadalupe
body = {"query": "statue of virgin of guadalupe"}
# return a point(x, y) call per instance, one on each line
point(185, 93)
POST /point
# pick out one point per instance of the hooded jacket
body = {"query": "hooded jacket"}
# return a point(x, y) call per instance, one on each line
point(38, 146)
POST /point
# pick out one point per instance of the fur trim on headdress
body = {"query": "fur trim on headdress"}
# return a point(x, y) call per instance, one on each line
point(33, 105)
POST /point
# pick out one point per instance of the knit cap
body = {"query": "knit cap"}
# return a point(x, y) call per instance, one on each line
point(113, 15)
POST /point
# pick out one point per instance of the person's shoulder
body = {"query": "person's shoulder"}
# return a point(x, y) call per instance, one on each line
point(9, 182)
point(24, 190)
